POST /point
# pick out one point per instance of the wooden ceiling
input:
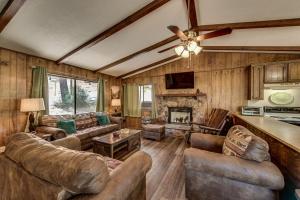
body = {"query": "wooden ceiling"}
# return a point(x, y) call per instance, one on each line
point(121, 38)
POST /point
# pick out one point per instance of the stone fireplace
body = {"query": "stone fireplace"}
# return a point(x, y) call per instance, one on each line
point(180, 115)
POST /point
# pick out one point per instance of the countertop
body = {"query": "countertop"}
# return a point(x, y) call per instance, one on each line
point(285, 133)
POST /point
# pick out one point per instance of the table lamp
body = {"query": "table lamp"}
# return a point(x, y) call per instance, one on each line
point(116, 103)
point(33, 105)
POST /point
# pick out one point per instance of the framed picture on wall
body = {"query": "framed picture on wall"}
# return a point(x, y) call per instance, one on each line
point(115, 92)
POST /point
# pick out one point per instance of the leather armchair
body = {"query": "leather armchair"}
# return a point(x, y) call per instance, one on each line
point(211, 175)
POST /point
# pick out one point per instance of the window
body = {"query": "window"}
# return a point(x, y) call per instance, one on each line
point(64, 99)
point(86, 96)
point(145, 93)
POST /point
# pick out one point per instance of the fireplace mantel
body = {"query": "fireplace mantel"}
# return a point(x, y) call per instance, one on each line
point(178, 95)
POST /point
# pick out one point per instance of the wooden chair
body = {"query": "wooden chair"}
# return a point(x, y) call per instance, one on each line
point(215, 123)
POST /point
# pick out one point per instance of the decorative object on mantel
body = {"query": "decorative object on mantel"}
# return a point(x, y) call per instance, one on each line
point(33, 106)
point(281, 98)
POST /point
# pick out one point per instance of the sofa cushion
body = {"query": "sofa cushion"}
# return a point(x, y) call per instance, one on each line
point(51, 120)
point(67, 125)
point(237, 141)
point(153, 128)
point(77, 172)
point(96, 131)
point(83, 121)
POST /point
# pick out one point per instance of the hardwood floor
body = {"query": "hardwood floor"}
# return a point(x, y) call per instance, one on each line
point(165, 180)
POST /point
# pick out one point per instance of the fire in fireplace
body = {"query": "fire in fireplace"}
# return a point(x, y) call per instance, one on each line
point(180, 115)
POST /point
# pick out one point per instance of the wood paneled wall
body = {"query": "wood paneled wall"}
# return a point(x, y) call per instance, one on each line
point(223, 77)
point(15, 84)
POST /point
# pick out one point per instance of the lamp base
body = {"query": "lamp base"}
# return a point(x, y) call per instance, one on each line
point(31, 122)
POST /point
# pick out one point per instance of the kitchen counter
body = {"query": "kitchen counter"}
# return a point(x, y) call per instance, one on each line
point(285, 133)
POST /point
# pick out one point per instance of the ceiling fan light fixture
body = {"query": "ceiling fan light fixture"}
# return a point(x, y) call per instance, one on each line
point(198, 50)
point(179, 50)
point(192, 45)
point(185, 54)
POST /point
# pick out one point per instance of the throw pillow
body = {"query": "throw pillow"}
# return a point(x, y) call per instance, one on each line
point(103, 119)
point(237, 141)
point(67, 125)
point(257, 150)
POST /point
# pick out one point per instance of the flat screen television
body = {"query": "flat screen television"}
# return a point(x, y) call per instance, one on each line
point(183, 80)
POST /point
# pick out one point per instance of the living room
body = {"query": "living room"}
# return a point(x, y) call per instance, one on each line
point(149, 99)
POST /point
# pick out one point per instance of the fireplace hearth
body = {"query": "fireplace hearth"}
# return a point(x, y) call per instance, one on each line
point(180, 115)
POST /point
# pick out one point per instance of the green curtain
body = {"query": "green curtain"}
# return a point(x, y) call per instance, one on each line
point(132, 104)
point(40, 86)
point(153, 105)
point(100, 96)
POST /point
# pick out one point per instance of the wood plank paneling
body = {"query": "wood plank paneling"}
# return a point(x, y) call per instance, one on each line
point(15, 84)
point(222, 76)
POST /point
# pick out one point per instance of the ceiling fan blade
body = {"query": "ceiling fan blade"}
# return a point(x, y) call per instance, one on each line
point(167, 49)
point(213, 34)
point(178, 32)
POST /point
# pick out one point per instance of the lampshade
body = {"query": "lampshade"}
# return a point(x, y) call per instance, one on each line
point(116, 102)
point(32, 105)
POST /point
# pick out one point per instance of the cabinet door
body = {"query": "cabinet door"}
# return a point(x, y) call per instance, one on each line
point(294, 72)
point(276, 73)
point(257, 82)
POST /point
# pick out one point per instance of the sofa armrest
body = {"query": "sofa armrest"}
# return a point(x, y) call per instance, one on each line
point(124, 179)
point(56, 133)
point(116, 120)
point(207, 142)
point(264, 174)
point(70, 142)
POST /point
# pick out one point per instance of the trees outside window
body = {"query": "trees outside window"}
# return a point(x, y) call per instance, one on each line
point(69, 96)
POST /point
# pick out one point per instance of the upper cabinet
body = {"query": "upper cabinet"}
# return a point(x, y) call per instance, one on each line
point(256, 82)
point(294, 72)
point(282, 72)
point(276, 73)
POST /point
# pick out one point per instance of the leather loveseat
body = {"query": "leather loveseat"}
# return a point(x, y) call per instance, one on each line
point(210, 175)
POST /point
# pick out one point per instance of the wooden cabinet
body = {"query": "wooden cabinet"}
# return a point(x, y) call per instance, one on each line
point(276, 73)
point(294, 72)
point(256, 82)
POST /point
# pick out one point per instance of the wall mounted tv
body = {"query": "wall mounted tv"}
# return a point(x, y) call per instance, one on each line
point(183, 80)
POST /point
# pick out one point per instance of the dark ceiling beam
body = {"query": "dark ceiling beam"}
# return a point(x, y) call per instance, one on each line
point(240, 25)
point(160, 62)
point(253, 48)
point(192, 12)
point(250, 25)
point(117, 27)
point(145, 50)
point(9, 11)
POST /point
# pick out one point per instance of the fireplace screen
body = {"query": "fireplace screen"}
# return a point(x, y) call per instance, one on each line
point(180, 115)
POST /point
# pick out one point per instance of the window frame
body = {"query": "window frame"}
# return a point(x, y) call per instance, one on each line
point(75, 87)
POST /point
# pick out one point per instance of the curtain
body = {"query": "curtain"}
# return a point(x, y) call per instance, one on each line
point(153, 105)
point(132, 104)
point(40, 86)
point(100, 96)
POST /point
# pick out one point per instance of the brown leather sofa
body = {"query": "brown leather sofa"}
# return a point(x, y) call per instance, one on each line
point(32, 168)
point(48, 126)
point(210, 175)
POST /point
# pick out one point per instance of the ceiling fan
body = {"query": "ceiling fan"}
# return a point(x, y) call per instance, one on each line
point(190, 42)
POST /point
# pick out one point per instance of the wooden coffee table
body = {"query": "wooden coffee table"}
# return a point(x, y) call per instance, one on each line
point(118, 147)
